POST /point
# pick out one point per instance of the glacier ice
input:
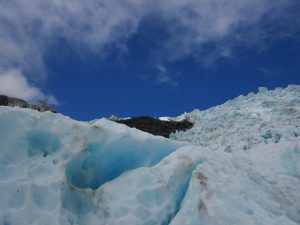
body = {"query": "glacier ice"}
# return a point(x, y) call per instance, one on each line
point(54, 170)
point(246, 121)
point(41, 142)
point(50, 163)
point(111, 159)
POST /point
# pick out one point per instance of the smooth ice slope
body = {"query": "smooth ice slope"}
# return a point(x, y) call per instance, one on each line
point(57, 171)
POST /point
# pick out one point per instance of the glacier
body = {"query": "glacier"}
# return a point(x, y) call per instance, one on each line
point(239, 164)
point(247, 121)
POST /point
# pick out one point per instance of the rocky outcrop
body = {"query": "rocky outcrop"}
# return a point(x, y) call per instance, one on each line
point(42, 107)
point(3, 100)
point(10, 101)
point(156, 126)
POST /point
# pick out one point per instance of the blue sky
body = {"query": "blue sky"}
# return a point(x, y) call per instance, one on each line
point(132, 57)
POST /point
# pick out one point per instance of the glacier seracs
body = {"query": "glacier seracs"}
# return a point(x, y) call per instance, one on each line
point(54, 170)
point(246, 121)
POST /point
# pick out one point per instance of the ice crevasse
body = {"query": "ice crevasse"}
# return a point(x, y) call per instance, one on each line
point(54, 170)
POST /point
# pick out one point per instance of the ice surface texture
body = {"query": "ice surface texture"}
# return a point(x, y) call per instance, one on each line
point(52, 166)
point(247, 121)
point(100, 163)
point(54, 170)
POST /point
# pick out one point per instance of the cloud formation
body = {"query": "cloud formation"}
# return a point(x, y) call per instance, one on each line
point(29, 28)
point(163, 76)
point(14, 84)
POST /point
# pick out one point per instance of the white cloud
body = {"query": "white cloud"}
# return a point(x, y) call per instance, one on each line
point(222, 25)
point(14, 84)
point(163, 76)
point(29, 28)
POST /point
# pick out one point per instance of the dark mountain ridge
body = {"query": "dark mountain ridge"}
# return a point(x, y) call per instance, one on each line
point(155, 126)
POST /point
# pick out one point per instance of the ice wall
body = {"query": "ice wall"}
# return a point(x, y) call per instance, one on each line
point(50, 165)
point(100, 163)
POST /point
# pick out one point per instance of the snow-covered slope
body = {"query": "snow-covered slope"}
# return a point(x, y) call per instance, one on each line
point(54, 170)
point(247, 121)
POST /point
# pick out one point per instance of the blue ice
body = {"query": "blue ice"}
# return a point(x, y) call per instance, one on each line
point(100, 163)
point(41, 143)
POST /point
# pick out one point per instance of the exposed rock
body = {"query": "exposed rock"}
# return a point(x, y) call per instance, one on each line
point(156, 126)
point(42, 107)
point(17, 102)
point(3, 100)
point(10, 101)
